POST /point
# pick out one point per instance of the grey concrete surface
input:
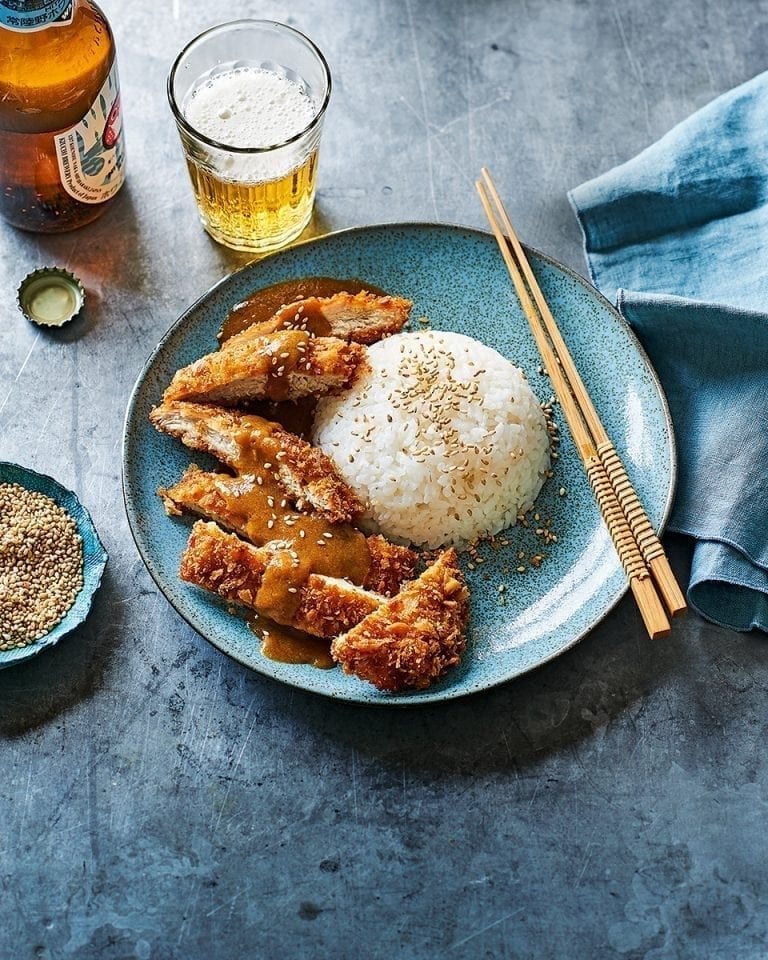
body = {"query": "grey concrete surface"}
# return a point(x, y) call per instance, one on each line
point(159, 802)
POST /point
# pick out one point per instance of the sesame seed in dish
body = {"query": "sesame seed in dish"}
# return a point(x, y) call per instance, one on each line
point(41, 565)
point(442, 436)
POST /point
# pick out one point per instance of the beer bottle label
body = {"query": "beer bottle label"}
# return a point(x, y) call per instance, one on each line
point(29, 15)
point(91, 155)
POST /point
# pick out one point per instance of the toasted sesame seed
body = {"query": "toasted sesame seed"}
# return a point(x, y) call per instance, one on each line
point(41, 565)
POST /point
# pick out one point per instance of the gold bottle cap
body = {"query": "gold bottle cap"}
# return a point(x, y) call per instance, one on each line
point(50, 296)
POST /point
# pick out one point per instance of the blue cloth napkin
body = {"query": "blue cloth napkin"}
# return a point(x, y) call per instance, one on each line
point(678, 237)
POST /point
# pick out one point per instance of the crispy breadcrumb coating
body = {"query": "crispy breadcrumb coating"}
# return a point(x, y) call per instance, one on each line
point(227, 500)
point(412, 639)
point(245, 441)
point(284, 365)
point(363, 317)
point(235, 570)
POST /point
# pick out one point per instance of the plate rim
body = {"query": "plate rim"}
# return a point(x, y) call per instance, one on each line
point(447, 694)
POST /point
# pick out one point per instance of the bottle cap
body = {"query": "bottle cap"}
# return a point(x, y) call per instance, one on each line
point(50, 296)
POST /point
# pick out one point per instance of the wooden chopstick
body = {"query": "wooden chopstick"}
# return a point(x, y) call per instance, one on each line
point(649, 544)
point(640, 580)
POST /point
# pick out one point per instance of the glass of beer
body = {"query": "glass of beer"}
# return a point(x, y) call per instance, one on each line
point(249, 99)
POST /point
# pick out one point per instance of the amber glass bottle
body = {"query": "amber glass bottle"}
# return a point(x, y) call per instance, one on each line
point(61, 144)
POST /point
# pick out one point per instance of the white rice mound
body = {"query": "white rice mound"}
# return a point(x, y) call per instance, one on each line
point(443, 438)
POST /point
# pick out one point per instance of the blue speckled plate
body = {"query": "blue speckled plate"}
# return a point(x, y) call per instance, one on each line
point(457, 278)
point(94, 557)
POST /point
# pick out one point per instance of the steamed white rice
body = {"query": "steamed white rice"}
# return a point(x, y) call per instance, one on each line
point(443, 438)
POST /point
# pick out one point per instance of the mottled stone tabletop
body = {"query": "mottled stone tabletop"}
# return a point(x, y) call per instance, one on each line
point(160, 801)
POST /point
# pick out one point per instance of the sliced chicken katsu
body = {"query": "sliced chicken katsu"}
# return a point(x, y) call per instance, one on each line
point(255, 577)
point(246, 507)
point(362, 317)
point(412, 639)
point(245, 442)
point(284, 365)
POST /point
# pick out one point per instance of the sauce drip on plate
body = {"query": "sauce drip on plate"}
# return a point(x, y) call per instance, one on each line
point(290, 646)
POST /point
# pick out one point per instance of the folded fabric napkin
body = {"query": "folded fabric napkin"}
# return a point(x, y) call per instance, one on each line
point(678, 237)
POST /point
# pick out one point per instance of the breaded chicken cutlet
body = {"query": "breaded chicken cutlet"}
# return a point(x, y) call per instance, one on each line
point(406, 642)
point(235, 570)
point(244, 442)
point(232, 503)
point(284, 365)
point(412, 639)
point(362, 317)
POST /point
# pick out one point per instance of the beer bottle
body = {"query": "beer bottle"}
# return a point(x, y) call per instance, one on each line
point(61, 143)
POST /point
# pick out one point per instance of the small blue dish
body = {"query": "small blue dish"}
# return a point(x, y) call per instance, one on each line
point(457, 278)
point(94, 558)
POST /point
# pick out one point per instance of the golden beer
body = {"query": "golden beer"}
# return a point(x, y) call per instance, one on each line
point(278, 209)
point(250, 129)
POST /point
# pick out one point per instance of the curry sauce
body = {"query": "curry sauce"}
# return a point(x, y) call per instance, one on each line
point(312, 544)
point(286, 645)
point(264, 304)
point(259, 505)
point(261, 307)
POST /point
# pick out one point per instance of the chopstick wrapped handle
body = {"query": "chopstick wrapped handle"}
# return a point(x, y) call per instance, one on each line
point(640, 525)
point(651, 609)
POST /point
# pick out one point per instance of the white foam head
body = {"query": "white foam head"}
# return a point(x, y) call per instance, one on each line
point(249, 107)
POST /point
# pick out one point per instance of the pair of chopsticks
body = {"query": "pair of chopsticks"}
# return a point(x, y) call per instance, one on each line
point(651, 579)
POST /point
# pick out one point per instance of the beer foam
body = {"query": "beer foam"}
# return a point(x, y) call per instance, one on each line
point(249, 107)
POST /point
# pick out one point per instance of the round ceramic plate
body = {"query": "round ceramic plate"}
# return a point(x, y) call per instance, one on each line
point(456, 277)
point(94, 558)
